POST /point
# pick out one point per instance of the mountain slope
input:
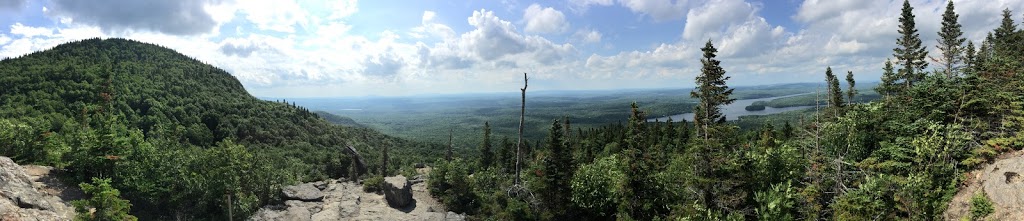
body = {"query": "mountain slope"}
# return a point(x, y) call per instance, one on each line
point(159, 123)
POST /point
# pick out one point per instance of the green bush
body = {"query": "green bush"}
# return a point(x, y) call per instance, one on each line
point(981, 206)
point(105, 199)
point(595, 186)
point(373, 184)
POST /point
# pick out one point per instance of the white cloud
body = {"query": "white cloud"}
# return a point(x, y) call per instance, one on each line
point(274, 15)
point(28, 32)
point(659, 10)
point(587, 36)
point(544, 20)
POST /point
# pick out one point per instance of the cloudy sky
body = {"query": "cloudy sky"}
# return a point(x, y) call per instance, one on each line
point(286, 48)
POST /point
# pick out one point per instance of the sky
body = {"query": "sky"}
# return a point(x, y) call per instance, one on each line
point(349, 48)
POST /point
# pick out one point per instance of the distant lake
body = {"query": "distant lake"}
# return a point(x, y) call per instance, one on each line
point(738, 108)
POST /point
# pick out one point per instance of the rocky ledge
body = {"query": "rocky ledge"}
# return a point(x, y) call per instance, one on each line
point(341, 200)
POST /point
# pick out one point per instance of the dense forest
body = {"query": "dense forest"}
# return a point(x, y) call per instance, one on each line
point(178, 138)
point(898, 158)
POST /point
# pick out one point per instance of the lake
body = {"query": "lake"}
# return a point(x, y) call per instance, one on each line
point(737, 108)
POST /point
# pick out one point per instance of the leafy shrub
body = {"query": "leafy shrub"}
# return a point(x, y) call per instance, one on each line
point(595, 186)
point(373, 184)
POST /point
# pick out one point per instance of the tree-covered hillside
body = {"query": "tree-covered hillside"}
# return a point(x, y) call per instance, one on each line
point(175, 135)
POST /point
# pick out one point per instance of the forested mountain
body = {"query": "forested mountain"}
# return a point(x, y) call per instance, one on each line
point(178, 137)
point(902, 157)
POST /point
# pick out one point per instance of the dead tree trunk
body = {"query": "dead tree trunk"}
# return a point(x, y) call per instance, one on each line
point(358, 166)
point(522, 118)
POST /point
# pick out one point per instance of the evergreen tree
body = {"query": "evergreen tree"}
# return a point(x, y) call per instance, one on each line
point(506, 156)
point(970, 59)
point(909, 52)
point(486, 155)
point(557, 173)
point(850, 91)
point(888, 86)
point(950, 42)
point(1006, 26)
point(835, 95)
point(712, 92)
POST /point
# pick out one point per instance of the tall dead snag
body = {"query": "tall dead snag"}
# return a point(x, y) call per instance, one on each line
point(522, 117)
point(448, 154)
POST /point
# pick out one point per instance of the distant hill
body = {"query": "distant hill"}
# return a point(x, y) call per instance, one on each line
point(339, 120)
point(95, 106)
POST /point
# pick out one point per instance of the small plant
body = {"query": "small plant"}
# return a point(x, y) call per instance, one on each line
point(373, 184)
point(981, 206)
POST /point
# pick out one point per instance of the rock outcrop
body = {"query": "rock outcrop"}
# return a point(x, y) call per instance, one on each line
point(398, 191)
point(1002, 181)
point(346, 201)
point(23, 199)
point(304, 192)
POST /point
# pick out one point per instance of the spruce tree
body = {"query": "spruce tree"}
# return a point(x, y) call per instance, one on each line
point(1006, 26)
point(950, 42)
point(909, 52)
point(712, 93)
point(557, 172)
point(486, 155)
point(970, 59)
point(850, 91)
point(835, 95)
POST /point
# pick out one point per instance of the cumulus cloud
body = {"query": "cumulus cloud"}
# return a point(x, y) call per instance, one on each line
point(659, 10)
point(176, 17)
point(430, 27)
point(587, 36)
point(544, 20)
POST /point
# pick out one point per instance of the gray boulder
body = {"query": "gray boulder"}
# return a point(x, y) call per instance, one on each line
point(397, 191)
point(452, 216)
point(304, 192)
point(20, 200)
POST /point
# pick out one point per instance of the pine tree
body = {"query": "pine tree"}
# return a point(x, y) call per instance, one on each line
point(835, 95)
point(712, 92)
point(950, 42)
point(909, 52)
point(486, 155)
point(850, 91)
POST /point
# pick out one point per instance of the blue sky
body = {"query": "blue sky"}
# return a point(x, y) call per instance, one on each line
point(287, 48)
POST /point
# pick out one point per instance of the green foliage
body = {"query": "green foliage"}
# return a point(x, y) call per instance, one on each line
point(374, 184)
point(450, 183)
point(835, 95)
point(778, 203)
point(981, 206)
point(557, 172)
point(104, 200)
point(951, 42)
point(595, 186)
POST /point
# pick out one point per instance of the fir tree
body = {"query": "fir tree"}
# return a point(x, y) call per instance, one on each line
point(486, 155)
point(970, 59)
point(712, 92)
point(835, 95)
point(557, 172)
point(1006, 27)
point(950, 42)
point(887, 87)
point(909, 52)
point(850, 91)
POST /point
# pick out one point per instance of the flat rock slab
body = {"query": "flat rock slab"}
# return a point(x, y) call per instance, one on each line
point(1004, 185)
point(305, 192)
